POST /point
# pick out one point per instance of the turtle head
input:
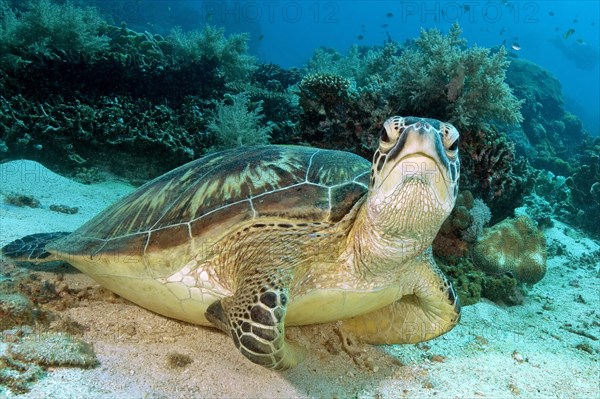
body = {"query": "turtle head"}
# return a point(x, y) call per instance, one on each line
point(414, 177)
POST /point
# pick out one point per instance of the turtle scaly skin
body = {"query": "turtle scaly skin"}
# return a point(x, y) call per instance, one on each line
point(254, 239)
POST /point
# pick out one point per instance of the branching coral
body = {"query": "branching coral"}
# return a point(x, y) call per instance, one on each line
point(491, 170)
point(236, 124)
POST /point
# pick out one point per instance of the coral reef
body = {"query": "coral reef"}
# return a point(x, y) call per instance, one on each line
point(450, 243)
point(434, 75)
point(515, 246)
point(345, 99)
point(114, 133)
point(337, 115)
point(573, 199)
point(84, 95)
point(439, 78)
point(549, 133)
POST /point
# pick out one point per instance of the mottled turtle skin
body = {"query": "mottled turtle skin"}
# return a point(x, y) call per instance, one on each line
point(253, 239)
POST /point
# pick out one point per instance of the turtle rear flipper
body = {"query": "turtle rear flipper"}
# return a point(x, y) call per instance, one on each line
point(32, 248)
point(430, 311)
point(254, 318)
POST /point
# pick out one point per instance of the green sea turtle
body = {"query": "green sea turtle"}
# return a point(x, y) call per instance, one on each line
point(253, 239)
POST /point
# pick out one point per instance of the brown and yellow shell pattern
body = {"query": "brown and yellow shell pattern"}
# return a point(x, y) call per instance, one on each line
point(207, 198)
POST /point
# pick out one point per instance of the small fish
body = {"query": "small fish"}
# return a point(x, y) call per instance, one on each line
point(575, 21)
point(261, 37)
point(568, 33)
point(556, 30)
point(502, 30)
point(389, 15)
point(360, 37)
point(384, 25)
point(580, 41)
point(551, 13)
point(515, 46)
point(467, 8)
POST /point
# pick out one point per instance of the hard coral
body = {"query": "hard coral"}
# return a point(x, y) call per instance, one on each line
point(514, 246)
point(335, 115)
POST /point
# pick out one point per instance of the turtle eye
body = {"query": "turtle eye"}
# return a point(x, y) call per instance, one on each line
point(390, 133)
point(449, 137)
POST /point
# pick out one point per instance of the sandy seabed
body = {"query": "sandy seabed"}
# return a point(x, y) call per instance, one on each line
point(547, 347)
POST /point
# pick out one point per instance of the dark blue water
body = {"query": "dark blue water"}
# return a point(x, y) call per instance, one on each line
point(561, 36)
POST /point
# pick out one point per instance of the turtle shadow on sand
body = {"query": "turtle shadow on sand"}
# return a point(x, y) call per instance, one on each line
point(337, 365)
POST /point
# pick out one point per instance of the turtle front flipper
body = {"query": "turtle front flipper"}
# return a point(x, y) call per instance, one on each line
point(254, 318)
point(431, 310)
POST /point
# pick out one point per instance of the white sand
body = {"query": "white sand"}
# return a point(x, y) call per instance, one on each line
point(525, 351)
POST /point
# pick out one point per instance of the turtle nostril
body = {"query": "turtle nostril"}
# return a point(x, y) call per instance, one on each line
point(384, 136)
